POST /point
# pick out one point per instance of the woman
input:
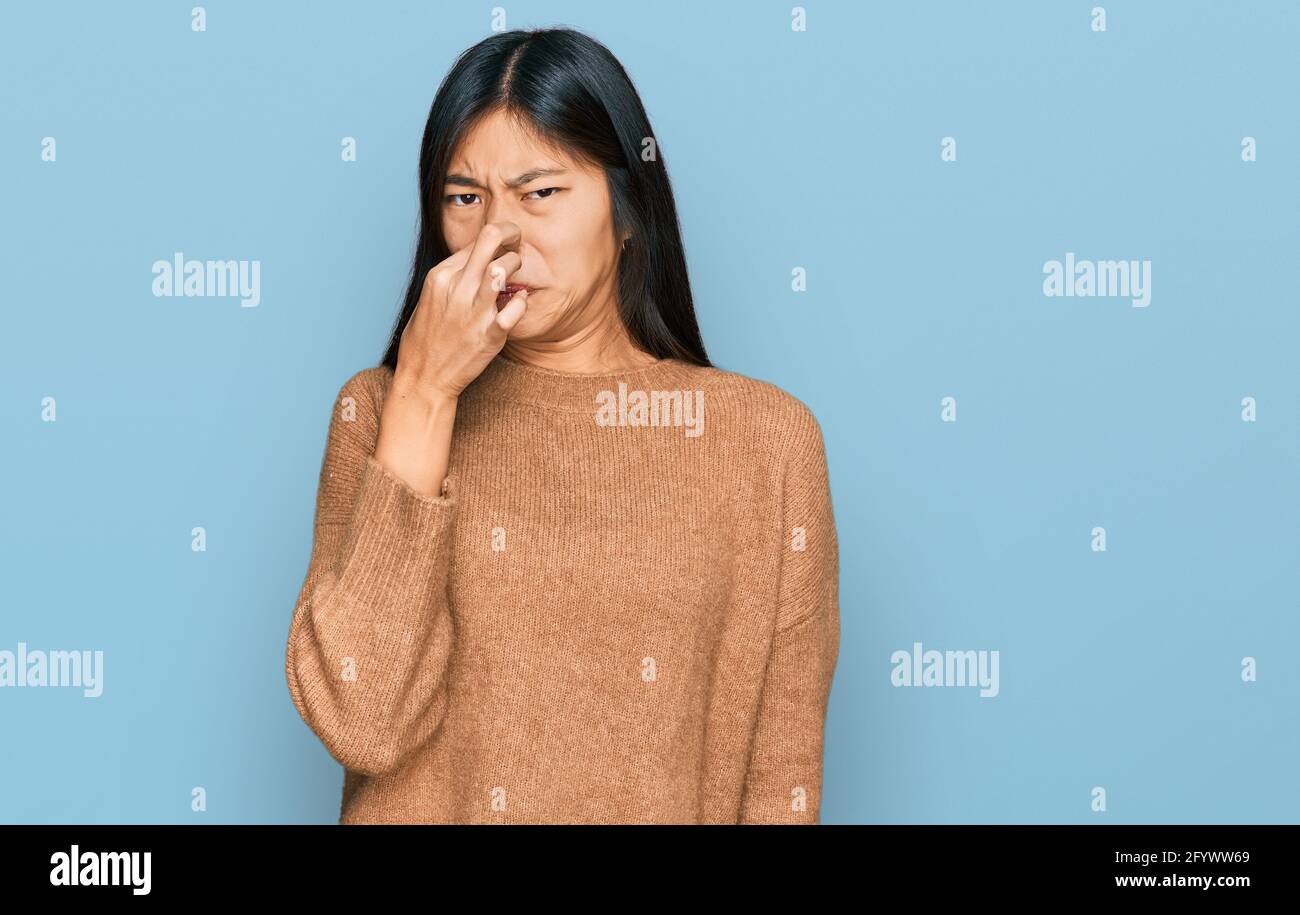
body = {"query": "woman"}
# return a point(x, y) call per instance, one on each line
point(541, 589)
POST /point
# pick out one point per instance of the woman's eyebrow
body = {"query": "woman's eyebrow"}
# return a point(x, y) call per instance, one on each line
point(531, 175)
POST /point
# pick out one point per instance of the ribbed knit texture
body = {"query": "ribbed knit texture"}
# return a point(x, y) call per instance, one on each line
point(592, 624)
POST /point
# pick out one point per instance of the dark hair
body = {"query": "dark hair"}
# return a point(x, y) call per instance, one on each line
point(571, 92)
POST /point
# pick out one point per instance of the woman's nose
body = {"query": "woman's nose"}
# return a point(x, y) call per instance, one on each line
point(503, 208)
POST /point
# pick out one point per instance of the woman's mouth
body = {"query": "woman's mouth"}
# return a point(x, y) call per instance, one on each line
point(505, 295)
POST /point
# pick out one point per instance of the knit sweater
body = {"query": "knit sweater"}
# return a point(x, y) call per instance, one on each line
point(616, 611)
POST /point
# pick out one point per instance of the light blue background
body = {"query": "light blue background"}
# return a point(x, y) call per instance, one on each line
point(1118, 669)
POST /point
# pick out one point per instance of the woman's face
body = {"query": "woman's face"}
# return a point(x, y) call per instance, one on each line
point(567, 246)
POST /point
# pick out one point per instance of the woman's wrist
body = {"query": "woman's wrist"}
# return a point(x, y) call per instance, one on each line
point(415, 430)
point(407, 391)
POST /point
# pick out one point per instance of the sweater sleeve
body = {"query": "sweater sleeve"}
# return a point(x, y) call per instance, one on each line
point(784, 780)
point(371, 635)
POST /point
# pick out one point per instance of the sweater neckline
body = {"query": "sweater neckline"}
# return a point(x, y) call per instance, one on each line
point(571, 392)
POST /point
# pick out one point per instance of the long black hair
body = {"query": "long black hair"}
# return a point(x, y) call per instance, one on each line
point(570, 91)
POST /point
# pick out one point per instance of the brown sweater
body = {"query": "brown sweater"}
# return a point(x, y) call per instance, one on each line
point(600, 620)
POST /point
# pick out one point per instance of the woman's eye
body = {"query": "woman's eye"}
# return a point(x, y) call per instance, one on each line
point(543, 191)
point(456, 200)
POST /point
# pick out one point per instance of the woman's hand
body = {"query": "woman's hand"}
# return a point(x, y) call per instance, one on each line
point(456, 329)
point(452, 335)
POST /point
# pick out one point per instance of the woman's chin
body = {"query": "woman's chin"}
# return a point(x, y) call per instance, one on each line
point(528, 327)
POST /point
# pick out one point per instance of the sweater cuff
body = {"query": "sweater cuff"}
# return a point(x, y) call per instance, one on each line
point(394, 529)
